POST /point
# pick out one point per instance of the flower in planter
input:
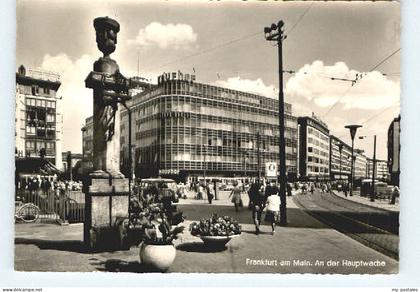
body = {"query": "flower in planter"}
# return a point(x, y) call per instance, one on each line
point(151, 221)
point(216, 226)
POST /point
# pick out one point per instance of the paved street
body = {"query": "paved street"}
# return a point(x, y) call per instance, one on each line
point(378, 203)
point(374, 227)
point(293, 249)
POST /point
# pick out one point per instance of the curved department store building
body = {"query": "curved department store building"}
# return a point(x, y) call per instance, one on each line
point(188, 130)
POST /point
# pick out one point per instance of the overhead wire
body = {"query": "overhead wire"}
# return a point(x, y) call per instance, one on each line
point(207, 50)
point(380, 113)
point(287, 33)
point(373, 68)
point(231, 42)
point(376, 115)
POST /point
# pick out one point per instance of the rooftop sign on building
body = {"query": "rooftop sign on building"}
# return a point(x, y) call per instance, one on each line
point(175, 76)
point(316, 118)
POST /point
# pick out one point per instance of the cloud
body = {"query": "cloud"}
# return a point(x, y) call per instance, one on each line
point(313, 82)
point(76, 103)
point(252, 86)
point(165, 35)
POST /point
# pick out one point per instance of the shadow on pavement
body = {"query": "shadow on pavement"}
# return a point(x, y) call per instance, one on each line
point(199, 247)
point(261, 232)
point(62, 245)
point(117, 265)
point(296, 218)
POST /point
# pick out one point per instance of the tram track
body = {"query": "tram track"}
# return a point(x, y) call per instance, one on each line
point(369, 226)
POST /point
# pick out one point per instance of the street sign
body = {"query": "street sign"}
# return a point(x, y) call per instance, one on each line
point(271, 169)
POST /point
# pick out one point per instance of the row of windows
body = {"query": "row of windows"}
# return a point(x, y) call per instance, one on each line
point(39, 116)
point(209, 107)
point(211, 133)
point(335, 148)
point(40, 132)
point(40, 103)
point(318, 134)
point(318, 143)
point(318, 152)
point(38, 145)
point(344, 163)
point(208, 122)
point(212, 165)
point(269, 144)
point(36, 90)
point(336, 168)
point(217, 93)
point(312, 160)
point(318, 170)
point(203, 153)
point(214, 132)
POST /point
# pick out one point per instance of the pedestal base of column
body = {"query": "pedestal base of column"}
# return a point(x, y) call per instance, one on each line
point(106, 213)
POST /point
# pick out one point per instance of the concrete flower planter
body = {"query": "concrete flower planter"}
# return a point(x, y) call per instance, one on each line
point(157, 256)
point(217, 242)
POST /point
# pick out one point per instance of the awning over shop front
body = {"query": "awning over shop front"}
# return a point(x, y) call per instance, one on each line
point(35, 165)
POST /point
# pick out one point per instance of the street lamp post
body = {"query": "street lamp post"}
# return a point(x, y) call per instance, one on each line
point(275, 33)
point(245, 155)
point(353, 130)
point(203, 150)
point(340, 149)
point(372, 192)
point(258, 157)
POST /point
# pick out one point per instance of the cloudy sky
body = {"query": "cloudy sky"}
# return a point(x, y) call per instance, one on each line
point(224, 42)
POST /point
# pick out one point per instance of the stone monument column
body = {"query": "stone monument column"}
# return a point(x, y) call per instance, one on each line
point(107, 191)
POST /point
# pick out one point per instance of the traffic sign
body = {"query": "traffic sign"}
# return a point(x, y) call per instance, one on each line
point(271, 169)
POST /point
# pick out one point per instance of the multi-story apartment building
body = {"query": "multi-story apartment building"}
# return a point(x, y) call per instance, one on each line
point(360, 162)
point(87, 139)
point(37, 115)
point(340, 159)
point(381, 170)
point(314, 148)
point(185, 129)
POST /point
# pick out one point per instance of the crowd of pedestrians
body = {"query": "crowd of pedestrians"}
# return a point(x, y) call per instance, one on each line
point(46, 183)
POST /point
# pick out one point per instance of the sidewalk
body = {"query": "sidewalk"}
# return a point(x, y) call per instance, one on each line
point(381, 204)
point(222, 199)
point(305, 245)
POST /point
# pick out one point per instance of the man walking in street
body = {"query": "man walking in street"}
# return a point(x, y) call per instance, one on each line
point(395, 194)
point(257, 203)
point(210, 192)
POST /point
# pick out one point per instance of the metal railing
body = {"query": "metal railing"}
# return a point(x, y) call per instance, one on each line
point(56, 206)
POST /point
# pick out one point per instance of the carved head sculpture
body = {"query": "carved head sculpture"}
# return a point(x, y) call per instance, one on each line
point(106, 34)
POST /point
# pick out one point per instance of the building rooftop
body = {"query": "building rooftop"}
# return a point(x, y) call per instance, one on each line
point(31, 76)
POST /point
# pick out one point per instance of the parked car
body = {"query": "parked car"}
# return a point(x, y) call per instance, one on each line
point(147, 182)
point(382, 189)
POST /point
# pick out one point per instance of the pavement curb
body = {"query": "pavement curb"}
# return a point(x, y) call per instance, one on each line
point(374, 207)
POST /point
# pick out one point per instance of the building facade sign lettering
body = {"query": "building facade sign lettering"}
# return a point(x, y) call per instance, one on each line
point(175, 76)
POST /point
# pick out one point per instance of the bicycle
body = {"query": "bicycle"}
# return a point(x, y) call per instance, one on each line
point(27, 212)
